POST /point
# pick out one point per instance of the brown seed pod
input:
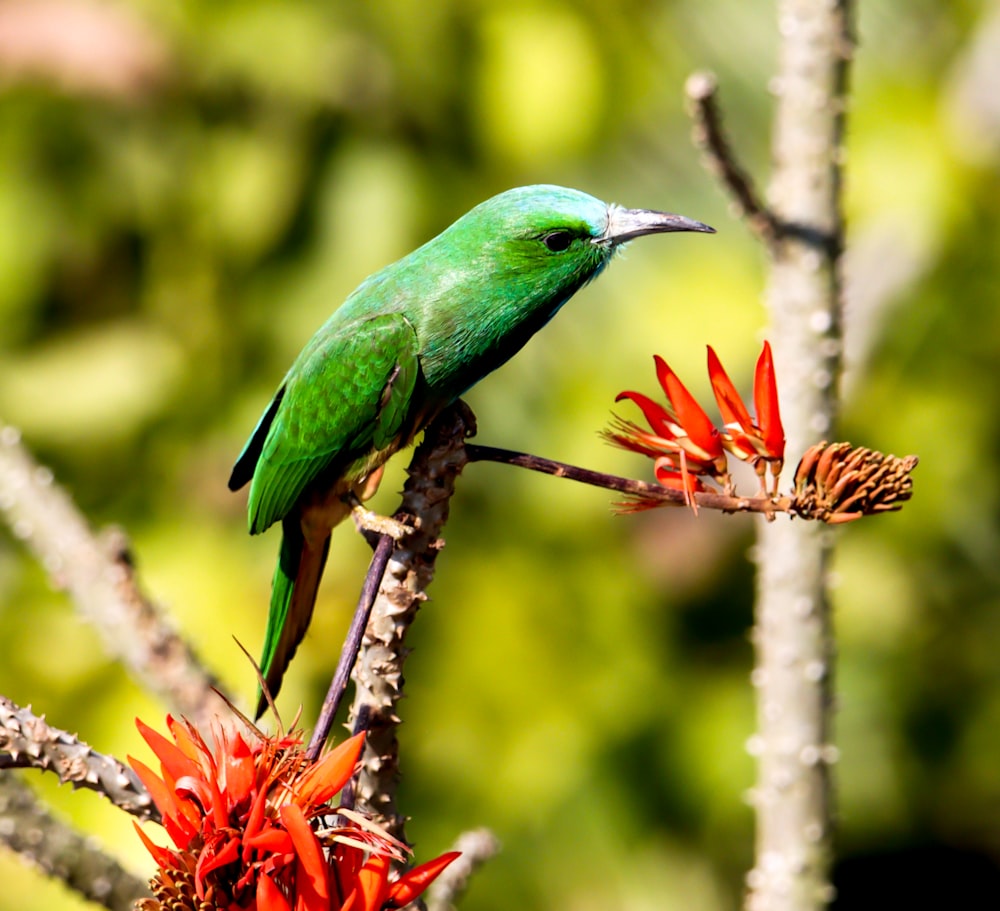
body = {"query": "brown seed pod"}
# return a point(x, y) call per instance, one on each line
point(837, 483)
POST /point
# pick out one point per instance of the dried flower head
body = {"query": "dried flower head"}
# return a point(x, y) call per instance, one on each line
point(836, 482)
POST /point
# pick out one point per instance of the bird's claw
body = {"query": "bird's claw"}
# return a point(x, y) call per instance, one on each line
point(369, 521)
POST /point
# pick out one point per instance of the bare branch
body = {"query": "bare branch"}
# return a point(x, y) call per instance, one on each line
point(59, 851)
point(100, 578)
point(644, 493)
point(28, 741)
point(351, 647)
point(709, 137)
point(834, 483)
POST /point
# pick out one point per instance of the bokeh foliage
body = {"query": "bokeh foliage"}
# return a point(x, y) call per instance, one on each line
point(580, 682)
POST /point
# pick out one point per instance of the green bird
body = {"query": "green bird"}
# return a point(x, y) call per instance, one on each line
point(407, 342)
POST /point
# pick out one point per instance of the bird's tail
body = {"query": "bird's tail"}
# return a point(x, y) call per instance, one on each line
point(293, 596)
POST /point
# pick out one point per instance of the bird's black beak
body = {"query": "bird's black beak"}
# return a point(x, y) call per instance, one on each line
point(624, 224)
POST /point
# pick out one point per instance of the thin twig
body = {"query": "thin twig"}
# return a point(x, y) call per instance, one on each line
point(352, 643)
point(709, 137)
point(28, 829)
point(100, 578)
point(641, 489)
point(28, 741)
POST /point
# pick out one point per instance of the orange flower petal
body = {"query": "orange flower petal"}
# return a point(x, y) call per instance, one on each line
point(765, 395)
point(730, 403)
point(270, 841)
point(675, 478)
point(239, 771)
point(311, 885)
point(690, 415)
point(347, 862)
point(164, 857)
point(659, 418)
point(188, 740)
point(256, 820)
point(411, 884)
point(162, 796)
point(373, 881)
point(173, 760)
point(178, 817)
point(269, 896)
point(329, 775)
point(212, 857)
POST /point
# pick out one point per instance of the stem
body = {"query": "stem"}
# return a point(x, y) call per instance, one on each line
point(646, 491)
point(710, 138)
point(352, 643)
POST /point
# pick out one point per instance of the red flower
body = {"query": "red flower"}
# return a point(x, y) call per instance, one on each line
point(761, 442)
point(683, 440)
point(685, 444)
point(245, 817)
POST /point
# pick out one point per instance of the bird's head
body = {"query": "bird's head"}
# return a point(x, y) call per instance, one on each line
point(498, 274)
point(558, 237)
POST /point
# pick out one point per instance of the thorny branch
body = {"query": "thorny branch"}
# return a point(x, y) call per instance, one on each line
point(477, 847)
point(99, 576)
point(378, 673)
point(59, 851)
point(28, 741)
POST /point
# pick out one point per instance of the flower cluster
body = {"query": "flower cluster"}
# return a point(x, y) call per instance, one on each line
point(246, 818)
point(685, 444)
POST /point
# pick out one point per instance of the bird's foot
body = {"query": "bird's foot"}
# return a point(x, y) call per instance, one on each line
point(367, 521)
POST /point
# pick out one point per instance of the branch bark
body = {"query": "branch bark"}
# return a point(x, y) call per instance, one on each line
point(378, 673)
point(29, 829)
point(793, 635)
point(28, 741)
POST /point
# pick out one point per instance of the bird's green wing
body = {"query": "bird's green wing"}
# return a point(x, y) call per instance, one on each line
point(346, 396)
point(396, 398)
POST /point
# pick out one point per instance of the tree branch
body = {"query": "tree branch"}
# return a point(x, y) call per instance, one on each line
point(644, 493)
point(833, 483)
point(352, 645)
point(710, 138)
point(378, 673)
point(793, 634)
point(28, 741)
point(59, 851)
point(100, 578)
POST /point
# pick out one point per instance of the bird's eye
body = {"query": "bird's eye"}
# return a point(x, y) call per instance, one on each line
point(557, 241)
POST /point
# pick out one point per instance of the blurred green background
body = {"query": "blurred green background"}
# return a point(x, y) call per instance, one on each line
point(188, 189)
